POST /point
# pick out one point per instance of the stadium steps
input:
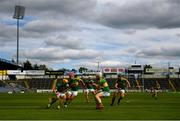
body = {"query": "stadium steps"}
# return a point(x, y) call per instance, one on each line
point(26, 84)
point(176, 84)
point(172, 85)
point(137, 84)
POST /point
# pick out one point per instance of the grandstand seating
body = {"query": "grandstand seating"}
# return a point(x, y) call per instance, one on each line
point(151, 82)
point(40, 83)
point(46, 83)
point(148, 83)
point(11, 86)
point(176, 83)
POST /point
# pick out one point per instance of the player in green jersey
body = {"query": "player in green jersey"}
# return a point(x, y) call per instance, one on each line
point(60, 90)
point(89, 83)
point(120, 85)
point(74, 83)
point(104, 92)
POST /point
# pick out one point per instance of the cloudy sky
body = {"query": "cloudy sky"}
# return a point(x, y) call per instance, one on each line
point(73, 33)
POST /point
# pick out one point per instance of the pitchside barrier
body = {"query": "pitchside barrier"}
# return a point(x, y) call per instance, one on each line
point(112, 90)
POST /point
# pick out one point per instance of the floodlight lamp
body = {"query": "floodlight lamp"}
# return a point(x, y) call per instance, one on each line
point(19, 12)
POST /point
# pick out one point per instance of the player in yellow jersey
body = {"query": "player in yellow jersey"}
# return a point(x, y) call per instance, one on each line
point(104, 90)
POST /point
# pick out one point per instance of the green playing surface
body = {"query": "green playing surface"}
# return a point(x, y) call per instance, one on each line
point(134, 106)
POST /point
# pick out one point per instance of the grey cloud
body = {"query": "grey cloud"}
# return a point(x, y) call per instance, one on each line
point(82, 54)
point(54, 8)
point(6, 8)
point(162, 52)
point(178, 34)
point(129, 32)
point(7, 34)
point(131, 50)
point(65, 42)
point(143, 14)
point(45, 54)
point(54, 54)
point(47, 26)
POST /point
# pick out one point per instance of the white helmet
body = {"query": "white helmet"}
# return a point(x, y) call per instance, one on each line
point(100, 74)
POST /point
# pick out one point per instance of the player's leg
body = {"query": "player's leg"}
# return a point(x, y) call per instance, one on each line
point(59, 103)
point(93, 93)
point(113, 98)
point(155, 94)
point(53, 100)
point(68, 96)
point(121, 96)
point(62, 100)
point(86, 93)
point(72, 97)
point(98, 97)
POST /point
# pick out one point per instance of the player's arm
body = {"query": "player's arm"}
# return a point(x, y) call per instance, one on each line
point(72, 85)
point(96, 85)
point(82, 82)
point(116, 84)
point(128, 84)
point(54, 85)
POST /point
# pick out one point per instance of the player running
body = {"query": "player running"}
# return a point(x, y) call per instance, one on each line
point(74, 83)
point(120, 86)
point(104, 92)
point(61, 90)
point(89, 88)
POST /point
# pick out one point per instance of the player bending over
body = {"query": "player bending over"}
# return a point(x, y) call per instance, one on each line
point(74, 83)
point(154, 90)
point(61, 90)
point(120, 86)
point(104, 92)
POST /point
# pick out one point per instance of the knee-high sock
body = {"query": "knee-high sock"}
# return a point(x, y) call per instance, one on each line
point(53, 100)
point(113, 99)
point(119, 100)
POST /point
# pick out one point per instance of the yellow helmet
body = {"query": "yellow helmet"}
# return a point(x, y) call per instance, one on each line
point(65, 81)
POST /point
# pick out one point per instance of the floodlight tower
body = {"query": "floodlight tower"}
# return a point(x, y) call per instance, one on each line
point(18, 14)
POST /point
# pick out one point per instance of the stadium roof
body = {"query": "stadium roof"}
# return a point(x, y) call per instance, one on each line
point(8, 65)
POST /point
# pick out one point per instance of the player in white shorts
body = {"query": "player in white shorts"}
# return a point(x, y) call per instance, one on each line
point(61, 90)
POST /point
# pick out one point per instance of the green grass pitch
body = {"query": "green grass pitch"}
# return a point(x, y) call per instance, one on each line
point(135, 106)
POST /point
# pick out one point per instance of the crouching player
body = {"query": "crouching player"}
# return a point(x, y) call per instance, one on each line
point(61, 90)
point(120, 86)
point(104, 92)
point(89, 88)
point(155, 89)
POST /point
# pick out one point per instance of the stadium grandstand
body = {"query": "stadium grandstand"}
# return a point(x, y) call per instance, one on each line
point(14, 78)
